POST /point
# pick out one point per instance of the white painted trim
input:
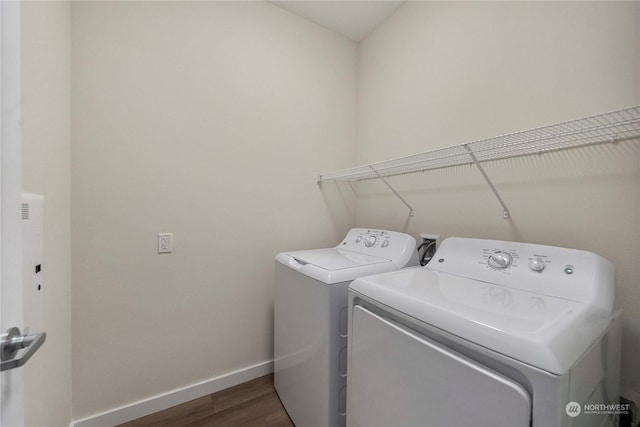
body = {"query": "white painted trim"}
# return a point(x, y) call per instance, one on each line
point(11, 313)
point(175, 397)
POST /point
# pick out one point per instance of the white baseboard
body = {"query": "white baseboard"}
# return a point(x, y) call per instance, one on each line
point(164, 401)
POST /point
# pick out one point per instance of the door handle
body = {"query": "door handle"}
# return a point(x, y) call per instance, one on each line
point(12, 341)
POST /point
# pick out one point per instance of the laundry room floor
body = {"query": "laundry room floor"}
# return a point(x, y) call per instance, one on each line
point(254, 403)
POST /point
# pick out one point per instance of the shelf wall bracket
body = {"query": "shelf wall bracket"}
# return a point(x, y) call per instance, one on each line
point(392, 189)
point(505, 210)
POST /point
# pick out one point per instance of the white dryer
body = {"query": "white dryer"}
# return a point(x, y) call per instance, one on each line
point(310, 319)
point(489, 334)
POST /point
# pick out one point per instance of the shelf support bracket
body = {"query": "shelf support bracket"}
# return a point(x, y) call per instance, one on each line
point(392, 189)
point(505, 210)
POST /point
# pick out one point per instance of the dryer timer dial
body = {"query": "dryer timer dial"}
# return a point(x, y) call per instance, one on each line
point(500, 260)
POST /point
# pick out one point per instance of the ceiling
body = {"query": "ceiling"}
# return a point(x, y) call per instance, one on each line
point(355, 19)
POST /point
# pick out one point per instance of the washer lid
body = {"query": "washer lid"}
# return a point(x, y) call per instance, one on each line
point(334, 265)
point(547, 332)
point(335, 259)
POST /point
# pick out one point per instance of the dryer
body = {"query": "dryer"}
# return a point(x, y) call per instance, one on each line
point(311, 316)
point(489, 334)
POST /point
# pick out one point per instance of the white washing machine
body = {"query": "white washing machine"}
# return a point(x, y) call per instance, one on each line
point(311, 316)
point(489, 334)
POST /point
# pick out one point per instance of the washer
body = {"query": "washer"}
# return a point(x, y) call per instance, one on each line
point(310, 319)
point(488, 334)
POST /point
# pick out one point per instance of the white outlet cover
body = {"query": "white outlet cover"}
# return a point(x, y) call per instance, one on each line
point(165, 243)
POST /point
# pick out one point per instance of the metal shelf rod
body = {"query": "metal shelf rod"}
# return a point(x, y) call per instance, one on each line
point(505, 210)
point(394, 191)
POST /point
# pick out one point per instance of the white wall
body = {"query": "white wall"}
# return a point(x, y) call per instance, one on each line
point(46, 170)
point(438, 74)
point(208, 120)
point(240, 104)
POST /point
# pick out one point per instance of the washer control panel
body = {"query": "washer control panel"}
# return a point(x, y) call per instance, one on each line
point(386, 244)
point(371, 238)
point(567, 273)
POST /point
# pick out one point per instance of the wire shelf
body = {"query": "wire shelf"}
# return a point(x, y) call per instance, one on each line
point(614, 126)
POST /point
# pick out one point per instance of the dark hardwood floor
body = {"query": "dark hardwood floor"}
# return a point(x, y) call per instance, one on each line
point(253, 403)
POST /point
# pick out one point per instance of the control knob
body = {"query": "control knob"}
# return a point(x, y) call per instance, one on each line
point(371, 240)
point(537, 265)
point(500, 260)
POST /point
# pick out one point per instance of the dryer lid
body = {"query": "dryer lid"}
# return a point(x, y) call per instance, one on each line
point(547, 332)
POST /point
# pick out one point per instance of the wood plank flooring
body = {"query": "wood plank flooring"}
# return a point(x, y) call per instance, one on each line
point(254, 403)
